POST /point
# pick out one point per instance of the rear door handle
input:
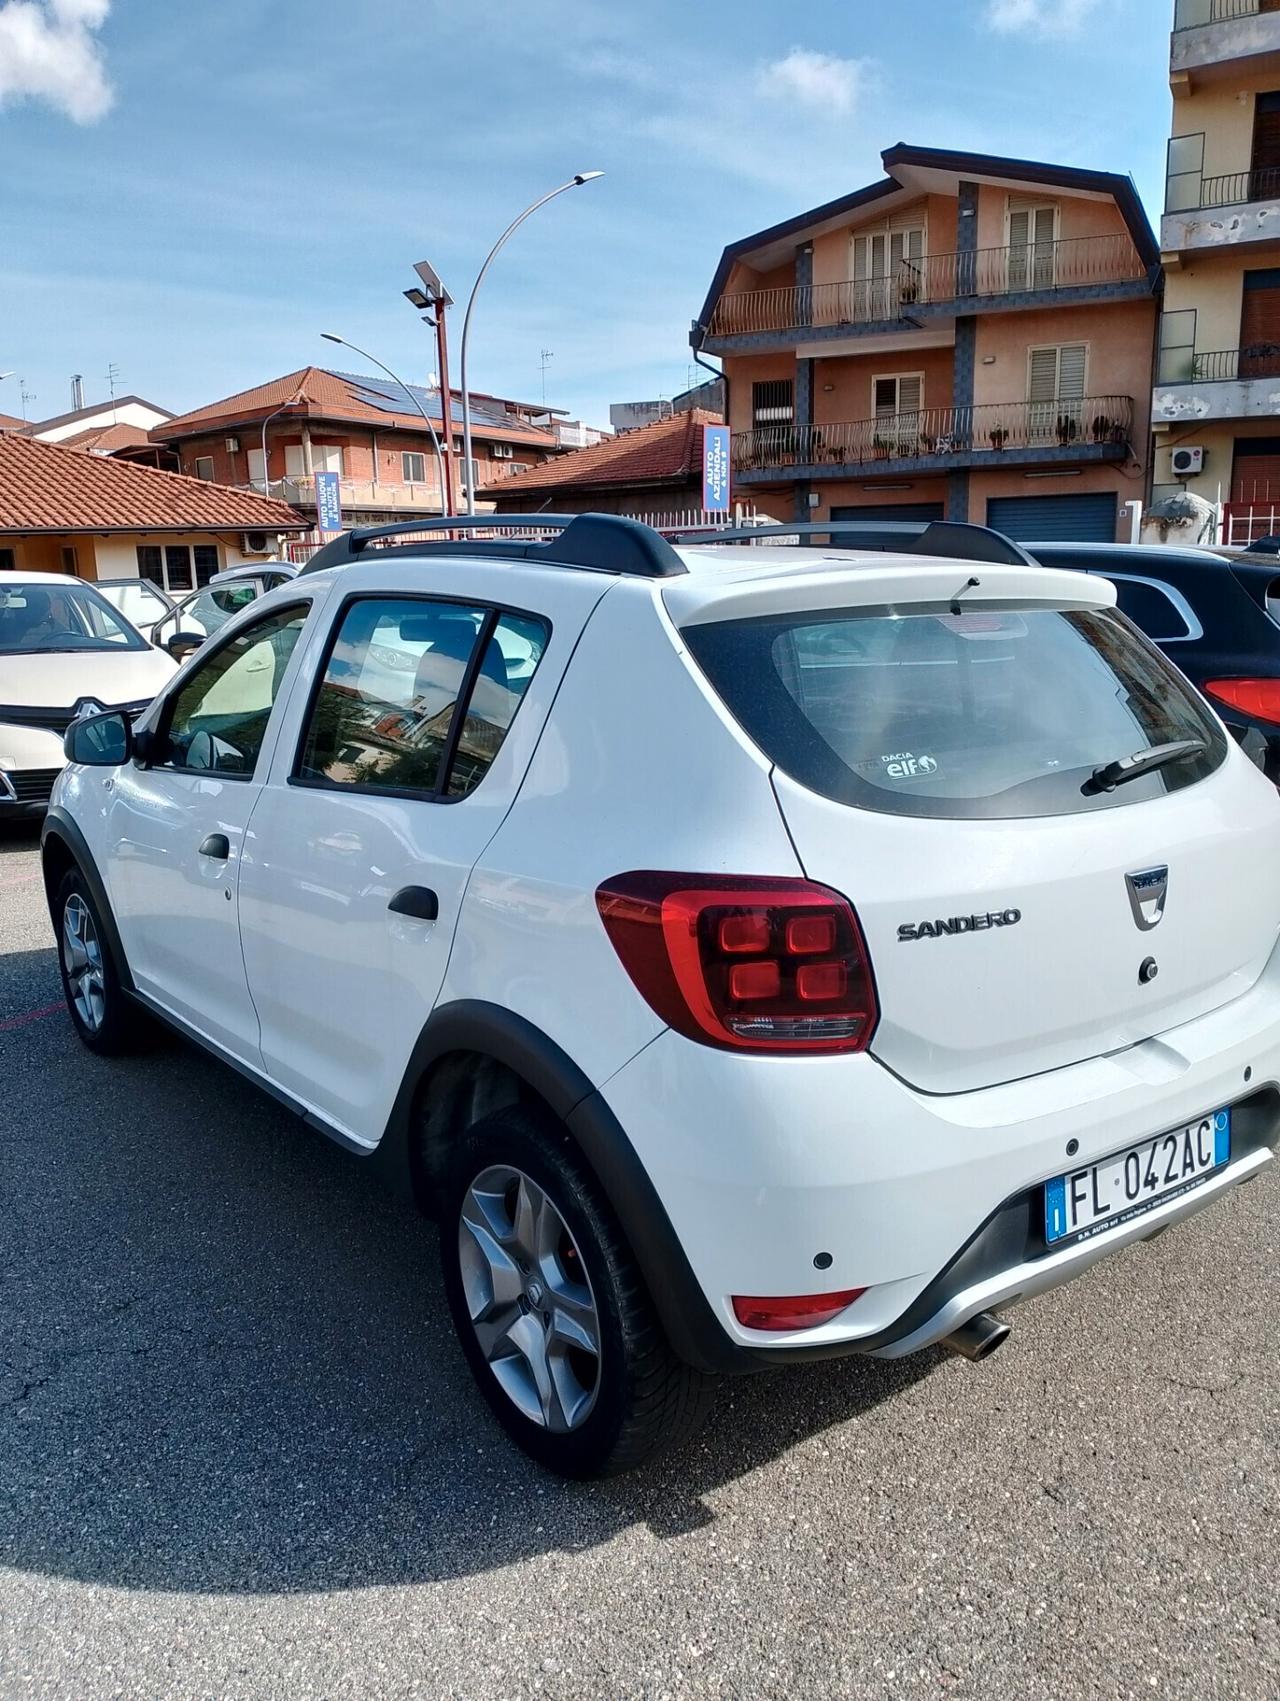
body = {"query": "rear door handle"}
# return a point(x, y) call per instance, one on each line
point(218, 846)
point(417, 901)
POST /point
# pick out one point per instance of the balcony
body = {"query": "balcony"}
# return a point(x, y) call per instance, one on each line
point(1233, 383)
point(1230, 210)
point(1079, 268)
point(939, 440)
point(300, 490)
point(1214, 39)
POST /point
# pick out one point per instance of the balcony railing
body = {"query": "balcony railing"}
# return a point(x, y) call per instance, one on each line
point(300, 489)
point(1191, 14)
point(1260, 183)
point(934, 280)
point(1256, 360)
point(991, 428)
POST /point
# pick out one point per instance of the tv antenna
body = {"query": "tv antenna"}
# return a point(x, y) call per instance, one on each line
point(27, 395)
point(545, 355)
point(112, 375)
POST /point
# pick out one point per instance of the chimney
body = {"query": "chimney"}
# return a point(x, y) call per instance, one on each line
point(77, 392)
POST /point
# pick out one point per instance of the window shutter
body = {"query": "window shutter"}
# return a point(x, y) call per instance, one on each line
point(1019, 229)
point(886, 396)
point(1071, 370)
point(1043, 379)
point(909, 395)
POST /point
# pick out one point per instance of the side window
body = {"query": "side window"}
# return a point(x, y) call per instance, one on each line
point(385, 715)
point(219, 718)
point(1151, 609)
point(511, 655)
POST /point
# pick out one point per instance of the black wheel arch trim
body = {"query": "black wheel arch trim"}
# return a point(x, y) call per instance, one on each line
point(493, 1031)
point(59, 826)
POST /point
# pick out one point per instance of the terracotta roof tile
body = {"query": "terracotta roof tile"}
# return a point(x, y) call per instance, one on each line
point(46, 487)
point(667, 451)
point(9, 423)
point(317, 393)
point(105, 438)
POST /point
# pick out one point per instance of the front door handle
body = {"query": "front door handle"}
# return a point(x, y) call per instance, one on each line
point(417, 901)
point(218, 846)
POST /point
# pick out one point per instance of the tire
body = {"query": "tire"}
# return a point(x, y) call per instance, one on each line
point(104, 1017)
point(535, 1268)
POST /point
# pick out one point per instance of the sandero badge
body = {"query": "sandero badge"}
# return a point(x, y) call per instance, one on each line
point(943, 925)
point(1148, 889)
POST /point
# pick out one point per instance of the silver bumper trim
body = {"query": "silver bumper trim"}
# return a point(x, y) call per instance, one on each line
point(1023, 1281)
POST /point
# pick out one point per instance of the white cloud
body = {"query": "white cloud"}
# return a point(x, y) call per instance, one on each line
point(48, 52)
point(1038, 17)
point(818, 80)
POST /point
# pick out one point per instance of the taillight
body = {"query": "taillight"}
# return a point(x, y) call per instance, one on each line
point(800, 1311)
point(1258, 698)
point(748, 963)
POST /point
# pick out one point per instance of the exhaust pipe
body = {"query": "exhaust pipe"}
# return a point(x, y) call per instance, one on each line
point(978, 1338)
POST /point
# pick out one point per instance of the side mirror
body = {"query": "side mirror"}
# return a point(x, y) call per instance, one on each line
point(99, 741)
point(184, 644)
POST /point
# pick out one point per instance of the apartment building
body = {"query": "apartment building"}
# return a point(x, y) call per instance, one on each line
point(1216, 407)
point(277, 436)
point(968, 338)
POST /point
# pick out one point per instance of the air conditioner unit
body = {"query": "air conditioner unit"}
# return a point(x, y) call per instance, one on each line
point(503, 452)
point(256, 543)
point(231, 445)
point(1187, 462)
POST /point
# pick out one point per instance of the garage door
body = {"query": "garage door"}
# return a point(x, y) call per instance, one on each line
point(892, 511)
point(1059, 519)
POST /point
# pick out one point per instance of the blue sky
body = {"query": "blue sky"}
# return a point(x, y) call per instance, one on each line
point(194, 189)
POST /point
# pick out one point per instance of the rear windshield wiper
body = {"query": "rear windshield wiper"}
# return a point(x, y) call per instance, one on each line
point(1114, 774)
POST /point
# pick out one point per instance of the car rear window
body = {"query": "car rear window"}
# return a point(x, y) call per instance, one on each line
point(997, 711)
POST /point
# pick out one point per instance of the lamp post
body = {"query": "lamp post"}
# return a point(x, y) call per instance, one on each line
point(575, 182)
point(283, 408)
point(332, 337)
point(431, 295)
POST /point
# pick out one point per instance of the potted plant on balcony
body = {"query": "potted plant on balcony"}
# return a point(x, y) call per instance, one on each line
point(999, 436)
point(880, 447)
point(1066, 429)
point(1102, 427)
point(928, 443)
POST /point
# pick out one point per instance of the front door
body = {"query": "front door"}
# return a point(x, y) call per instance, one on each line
point(365, 836)
point(178, 826)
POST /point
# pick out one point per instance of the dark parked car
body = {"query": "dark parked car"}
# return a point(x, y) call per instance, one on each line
point(1216, 617)
point(1269, 545)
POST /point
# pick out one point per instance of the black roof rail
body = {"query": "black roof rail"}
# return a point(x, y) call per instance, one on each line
point(604, 543)
point(956, 539)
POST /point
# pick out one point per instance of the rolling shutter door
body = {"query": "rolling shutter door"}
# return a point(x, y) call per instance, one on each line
point(892, 511)
point(1260, 324)
point(1087, 518)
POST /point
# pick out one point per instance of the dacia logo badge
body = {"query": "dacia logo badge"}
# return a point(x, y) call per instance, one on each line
point(1147, 891)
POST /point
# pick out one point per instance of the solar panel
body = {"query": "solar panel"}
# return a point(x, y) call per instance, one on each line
point(390, 397)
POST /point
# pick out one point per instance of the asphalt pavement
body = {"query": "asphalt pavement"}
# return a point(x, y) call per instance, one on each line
point(241, 1457)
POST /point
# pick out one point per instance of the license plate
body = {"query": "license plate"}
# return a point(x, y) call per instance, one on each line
point(1101, 1196)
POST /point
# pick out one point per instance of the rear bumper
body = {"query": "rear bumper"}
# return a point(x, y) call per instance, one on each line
point(933, 1204)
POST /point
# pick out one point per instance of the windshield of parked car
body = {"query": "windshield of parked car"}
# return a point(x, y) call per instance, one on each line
point(992, 712)
point(45, 619)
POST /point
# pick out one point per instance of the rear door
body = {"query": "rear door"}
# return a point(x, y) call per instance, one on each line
point(934, 767)
point(402, 756)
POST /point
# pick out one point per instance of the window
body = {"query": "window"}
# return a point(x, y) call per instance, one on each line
point(413, 468)
point(205, 556)
point(772, 402)
point(8, 561)
point(1177, 346)
point(138, 601)
point(326, 457)
point(887, 264)
point(257, 467)
point(218, 720)
point(208, 610)
point(1033, 233)
point(1183, 173)
point(902, 393)
point(989, 714)
point(1153, 607)
point(1055, 390)
point(150, 563)
point(386, 715)
point(503, 452)
point(204, 467)
point(70, 560)
point(177, 567)
point(57, 619)
point(295, 465)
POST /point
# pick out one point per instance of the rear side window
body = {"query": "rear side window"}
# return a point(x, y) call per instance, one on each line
point(1150, 606)
point(389, 713)
point(995, 712)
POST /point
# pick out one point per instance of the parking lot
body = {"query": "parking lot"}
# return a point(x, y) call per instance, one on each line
point(240, 1454)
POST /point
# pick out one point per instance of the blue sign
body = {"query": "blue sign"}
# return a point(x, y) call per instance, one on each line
point(328, 502)
point(715, 469)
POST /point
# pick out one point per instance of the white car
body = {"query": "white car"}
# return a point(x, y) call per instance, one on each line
point(748, 954)
point(63, 648)
point(184, 626)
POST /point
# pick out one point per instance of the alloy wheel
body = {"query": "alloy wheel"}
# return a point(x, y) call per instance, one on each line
point(82, 961)
point(529, 1298)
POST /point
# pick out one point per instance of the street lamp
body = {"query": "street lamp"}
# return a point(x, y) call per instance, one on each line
point(433, 294)
point(575, 182)
point(332, 337)
point(284, 407)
